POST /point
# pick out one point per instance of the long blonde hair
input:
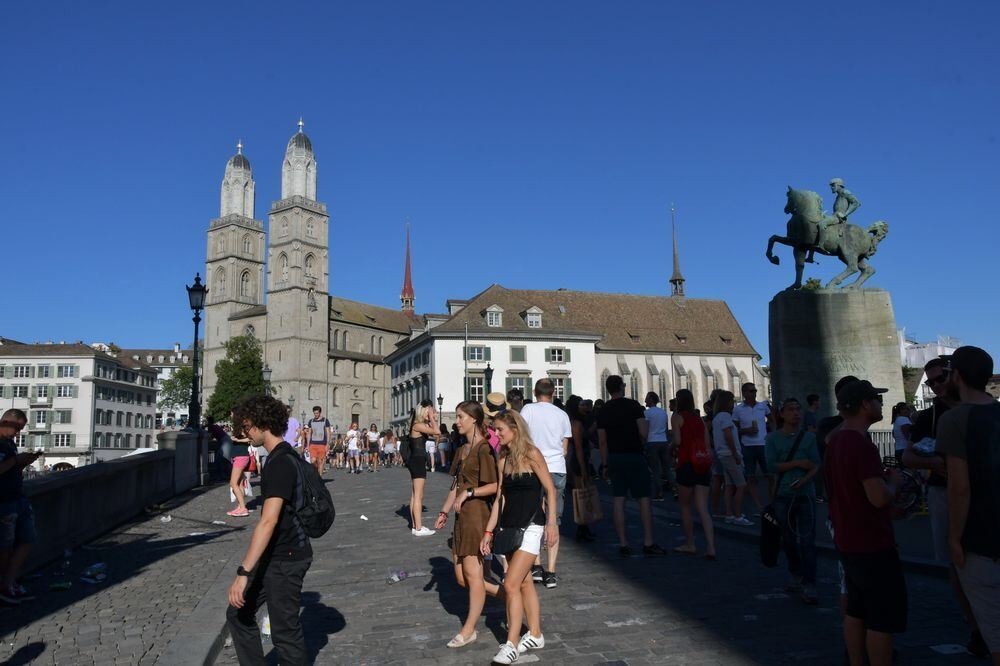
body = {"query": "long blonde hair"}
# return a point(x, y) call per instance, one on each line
point(520, 448)
point(419, 414)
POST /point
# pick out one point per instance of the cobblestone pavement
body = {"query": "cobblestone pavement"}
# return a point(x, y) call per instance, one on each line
point(606, 610)
point(157, 573)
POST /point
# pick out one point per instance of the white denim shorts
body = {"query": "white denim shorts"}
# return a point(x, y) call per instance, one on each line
point(532, 541)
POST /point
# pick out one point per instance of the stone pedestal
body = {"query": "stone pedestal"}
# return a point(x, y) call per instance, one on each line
point(817, 337)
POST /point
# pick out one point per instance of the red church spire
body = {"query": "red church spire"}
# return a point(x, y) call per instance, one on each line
point(406, 297)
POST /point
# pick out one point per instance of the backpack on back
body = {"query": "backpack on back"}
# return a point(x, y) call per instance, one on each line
point(405, 449)
point(313, 504)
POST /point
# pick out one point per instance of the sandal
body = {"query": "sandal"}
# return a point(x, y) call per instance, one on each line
point(460, 641)
point(684, 550)
point(236, 513)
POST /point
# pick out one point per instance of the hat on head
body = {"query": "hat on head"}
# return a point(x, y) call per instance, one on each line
point(975, 365)
point(853, 394)
point(496, 403)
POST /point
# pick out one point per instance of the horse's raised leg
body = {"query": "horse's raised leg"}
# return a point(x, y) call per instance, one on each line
point(852, 268)
point(770, 248)
point(800, 263)
point(866, 272)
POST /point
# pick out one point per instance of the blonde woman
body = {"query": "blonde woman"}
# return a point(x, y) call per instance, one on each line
point(523, 476)
point(423, 424)
point(475, 484)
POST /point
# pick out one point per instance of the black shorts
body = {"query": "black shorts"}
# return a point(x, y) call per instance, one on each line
point(417, 464)
point(876, 590)
point(373, 448)
point(687, 477)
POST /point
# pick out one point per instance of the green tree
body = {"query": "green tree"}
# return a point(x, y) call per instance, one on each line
point(237, 376)
point(176, 389)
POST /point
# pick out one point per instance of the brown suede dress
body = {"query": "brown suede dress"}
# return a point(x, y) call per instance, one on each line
point(478, 469)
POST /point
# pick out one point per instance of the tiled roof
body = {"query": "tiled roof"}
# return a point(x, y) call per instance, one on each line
point(70, 350)
point(626, 322)
point(363, 314)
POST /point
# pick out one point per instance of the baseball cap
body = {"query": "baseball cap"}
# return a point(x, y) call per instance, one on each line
point(853, 394)
point(975, 365)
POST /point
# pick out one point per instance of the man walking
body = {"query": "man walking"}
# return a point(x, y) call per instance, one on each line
point(754, 420)
point(657, 446)
point(318, 432)
point(622, 429)
point(794, 502)
point(17, 519)
point(860, 497)
point(550, 430)
point(969, 438)
point(279, 553)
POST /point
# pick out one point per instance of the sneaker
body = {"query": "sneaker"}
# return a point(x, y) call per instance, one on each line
point(653, 551)
point(809, 595)
point(529, 642)
point(423, 531)
point(537, 575)
point(730, 520)
point(549, 579)
point(625, 551)
point(236, 513)
point(977, 646)
point(742, 521)
point(507, 654)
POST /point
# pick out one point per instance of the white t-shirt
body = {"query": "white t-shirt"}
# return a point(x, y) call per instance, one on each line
point(744, 416)
point(657, 424)
point(720, 422)
point(548, 426)
point(352, 440)
point(897, 432)
point(372, 437)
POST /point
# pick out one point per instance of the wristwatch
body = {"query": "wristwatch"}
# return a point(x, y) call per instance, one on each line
point(240, 571)
point(470, 493)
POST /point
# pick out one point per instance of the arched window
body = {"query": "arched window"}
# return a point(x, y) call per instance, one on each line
point(635, 386)
point(284, 226)
point(247, 246)
point(245, 284)
point(664, 388)
point(345, 342)
point(309, 392)
point(310, 261)
point(283, 263)
point(336, 340)
point(336, 396)
point(375, 399)
point(374, 371)
point(310, 228)
point(220, 283)
point(380, 341)
point(373, 345)
point(604, 386)
point(356, 366)
point(220, 245)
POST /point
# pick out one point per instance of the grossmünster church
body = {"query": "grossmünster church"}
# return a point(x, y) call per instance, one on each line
point(322, 349)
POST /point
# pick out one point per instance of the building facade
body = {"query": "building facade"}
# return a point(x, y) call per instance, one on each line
point(83, 405)
point(166, 362)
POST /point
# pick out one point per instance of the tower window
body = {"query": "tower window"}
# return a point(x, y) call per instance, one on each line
point(284, 226)
point(247, 246)
point(283, 262)
point(310, 262)
point(245, 284)
point(310, 228)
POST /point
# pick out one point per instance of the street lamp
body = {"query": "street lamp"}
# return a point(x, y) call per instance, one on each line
point(266, 374)
point(291, 404)
point(440, 404)
point(489, 379)
point(196, 299)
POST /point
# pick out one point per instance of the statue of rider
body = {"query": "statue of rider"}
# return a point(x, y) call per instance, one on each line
point(845, 204)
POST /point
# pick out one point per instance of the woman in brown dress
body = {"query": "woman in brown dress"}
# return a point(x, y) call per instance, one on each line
point(471, 494)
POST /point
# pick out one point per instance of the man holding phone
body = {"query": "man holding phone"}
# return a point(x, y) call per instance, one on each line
point(17, 519)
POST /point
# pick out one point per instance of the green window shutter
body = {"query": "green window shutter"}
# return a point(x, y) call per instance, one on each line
point(34, 391)
point(509, 383)
point(76, 391)
point(529, 388)
point(31, 371)
point(569, 387)
point(465, 396)
point(566, 356)
point(548, 355)
point(487, 353)
point(465, 353)
point(72, 439)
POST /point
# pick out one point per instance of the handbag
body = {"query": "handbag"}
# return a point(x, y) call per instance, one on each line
point(508, 539)
point(587, 505)
point(770, 528)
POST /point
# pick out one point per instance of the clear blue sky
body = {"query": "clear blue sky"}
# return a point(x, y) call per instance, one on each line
point(531, 144)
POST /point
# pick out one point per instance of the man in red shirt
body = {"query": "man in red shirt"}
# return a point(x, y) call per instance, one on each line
point(861, 494)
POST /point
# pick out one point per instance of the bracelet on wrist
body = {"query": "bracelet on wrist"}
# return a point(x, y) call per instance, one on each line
point(442, 513)
point(490, 532)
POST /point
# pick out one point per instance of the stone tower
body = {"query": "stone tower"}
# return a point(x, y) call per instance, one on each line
point(234, 266)
point(406, 296)
point(297, 282)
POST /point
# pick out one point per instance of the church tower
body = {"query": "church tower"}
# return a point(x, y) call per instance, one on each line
point(676, 280)
point(234, 266)
point(297, 281)
point(406, 296)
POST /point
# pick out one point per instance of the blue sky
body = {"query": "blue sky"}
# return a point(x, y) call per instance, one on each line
point(531, 144)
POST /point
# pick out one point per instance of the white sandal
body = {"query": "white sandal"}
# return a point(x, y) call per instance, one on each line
point(460, 641)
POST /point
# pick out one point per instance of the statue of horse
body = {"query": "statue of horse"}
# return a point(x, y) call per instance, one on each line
point(810, 231)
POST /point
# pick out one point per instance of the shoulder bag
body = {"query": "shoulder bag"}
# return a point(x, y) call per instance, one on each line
point(770, 528)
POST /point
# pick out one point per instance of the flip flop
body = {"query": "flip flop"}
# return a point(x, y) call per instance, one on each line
point(686, 551)
point(460, 641)
point(236, 513)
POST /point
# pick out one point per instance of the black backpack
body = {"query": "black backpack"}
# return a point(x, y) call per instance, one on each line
point(313, 504)
point(405, 449)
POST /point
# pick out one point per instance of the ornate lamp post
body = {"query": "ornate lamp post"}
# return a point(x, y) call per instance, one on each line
point(291, 404)
point(489, 379)
point(266, 374)
point(196, 299)
point(440, 404)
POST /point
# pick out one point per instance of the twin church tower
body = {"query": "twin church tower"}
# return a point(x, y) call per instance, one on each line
point(306, 334)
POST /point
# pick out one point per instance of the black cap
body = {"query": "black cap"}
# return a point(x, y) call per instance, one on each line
point(853, 394)
point(975, 365)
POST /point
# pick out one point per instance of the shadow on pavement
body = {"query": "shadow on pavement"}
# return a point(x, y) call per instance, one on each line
point(319, 622)
point(27, 654)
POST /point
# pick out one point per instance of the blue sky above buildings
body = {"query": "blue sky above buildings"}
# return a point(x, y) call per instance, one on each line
point(536, 145)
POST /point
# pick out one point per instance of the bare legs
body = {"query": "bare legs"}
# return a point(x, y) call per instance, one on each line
point(876, 644)
point(469, 574)
point(236, 485)
point(416, 502)
point(645, 516)
point(700, 496)
point(734, 500)
point(521, 597)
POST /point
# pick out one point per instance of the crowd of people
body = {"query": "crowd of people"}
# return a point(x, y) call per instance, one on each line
point(511, 460)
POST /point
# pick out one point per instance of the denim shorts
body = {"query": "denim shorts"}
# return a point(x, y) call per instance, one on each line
point(559, 481)
point(17, 523)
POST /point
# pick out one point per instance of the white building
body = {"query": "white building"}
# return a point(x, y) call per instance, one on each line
point(913, 354)
point(83, 405)
point(166, 362)
point(577, 339)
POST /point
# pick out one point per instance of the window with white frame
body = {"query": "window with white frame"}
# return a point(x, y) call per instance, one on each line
point(494, 318)
point(64, 391)
point(477, 353)
point(20, 391)
point(42, 391)
point(66, 371)
point(98, 440)
point(557, 355)
point(62, 439)
point(44, 371)
point(41, 417)
point(560, 388)
point(22, 371)
point(40, 441)
point(520, 382)
point(63, 416)
point(118, 440)
point(477, 388)
point(534, 319)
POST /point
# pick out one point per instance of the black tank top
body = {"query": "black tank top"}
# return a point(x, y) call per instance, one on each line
point(522, 499)
point(418, 446)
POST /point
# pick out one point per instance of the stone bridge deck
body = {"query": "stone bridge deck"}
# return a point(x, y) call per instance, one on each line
point(164, 599)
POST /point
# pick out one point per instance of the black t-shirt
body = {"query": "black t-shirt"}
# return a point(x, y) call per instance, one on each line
point(618, 419)
point(925, 425)
point(280, 478)
point(11, 480)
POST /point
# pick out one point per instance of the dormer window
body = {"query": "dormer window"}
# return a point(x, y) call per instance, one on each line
point(533, 317)
point(494, 316)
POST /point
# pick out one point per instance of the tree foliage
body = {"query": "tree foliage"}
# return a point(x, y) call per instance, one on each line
point(237, 376)
point(176, 389)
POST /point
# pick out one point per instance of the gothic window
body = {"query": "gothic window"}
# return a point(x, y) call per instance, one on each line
point(310, 261)
point(375, 399)
point(336, 396)
point(373, 344)
point(245, 284)
point(604, 385)
point(247, 245)
point(284, 226)
point(374, 371)
point(634, 385)
point(220, 283)
point(336, 340)
point(356, 366)
point(283, 263)
point(249, 331)
point(664, 390)
point(380, 341)
point(220, 245)
point(345, 340)
point(310, 228)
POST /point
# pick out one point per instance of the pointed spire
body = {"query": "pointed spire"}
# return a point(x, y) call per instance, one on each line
point(239, 146)
point(301, 124)
point(406, 297)
point(676, 280)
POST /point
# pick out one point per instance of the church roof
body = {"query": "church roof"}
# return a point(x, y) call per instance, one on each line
point(373, 316)
point(239, 161)
point(625, 322)
point(300, 140)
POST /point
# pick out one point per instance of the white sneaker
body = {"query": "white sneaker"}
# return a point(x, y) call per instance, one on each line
point(423, 531)
point(730, 519)
point(529, 642)
point(743, 521)
point(506, 655)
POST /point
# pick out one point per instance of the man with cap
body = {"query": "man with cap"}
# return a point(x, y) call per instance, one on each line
point(861, 495)
point(845, 204)
point(969, 438)
point(551, 432)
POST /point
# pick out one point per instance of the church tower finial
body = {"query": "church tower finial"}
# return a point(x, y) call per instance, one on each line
point(298, 170)
point(676, 280)
point(301, 124)
point(239, 146)
point(406, 297)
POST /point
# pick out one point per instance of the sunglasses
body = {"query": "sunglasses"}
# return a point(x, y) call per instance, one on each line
point(940, 379)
